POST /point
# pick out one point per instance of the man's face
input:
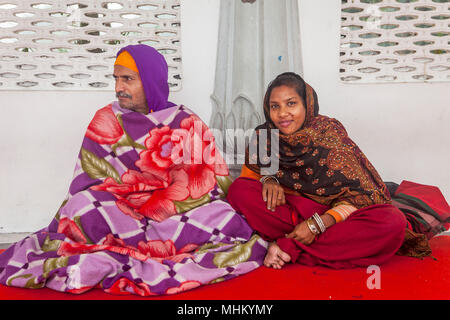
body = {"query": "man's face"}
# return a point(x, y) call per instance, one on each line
point(129, 89)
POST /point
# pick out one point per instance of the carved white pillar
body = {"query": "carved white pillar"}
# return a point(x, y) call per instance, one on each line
point(258, 39)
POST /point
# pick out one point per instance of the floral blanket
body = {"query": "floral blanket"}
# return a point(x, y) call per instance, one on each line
point(145, 213)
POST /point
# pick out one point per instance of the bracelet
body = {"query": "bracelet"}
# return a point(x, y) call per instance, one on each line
point(312, 227)
point(319, 222)
point(264, 178)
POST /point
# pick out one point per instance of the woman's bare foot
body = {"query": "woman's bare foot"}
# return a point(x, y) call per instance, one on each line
point(275, 257)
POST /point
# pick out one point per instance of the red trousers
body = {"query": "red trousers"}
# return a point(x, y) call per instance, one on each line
point(369, 236)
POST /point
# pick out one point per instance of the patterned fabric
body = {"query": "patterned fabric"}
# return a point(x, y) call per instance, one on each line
point(424, 206)
point(427, 214)
point(136, 221)
point(320, 161)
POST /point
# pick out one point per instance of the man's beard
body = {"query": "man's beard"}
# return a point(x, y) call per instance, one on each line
point(125, 95)
point(129, 104)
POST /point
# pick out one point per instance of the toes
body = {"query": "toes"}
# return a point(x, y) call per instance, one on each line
point(268, 262)
point(275, 257)
point(283, 256)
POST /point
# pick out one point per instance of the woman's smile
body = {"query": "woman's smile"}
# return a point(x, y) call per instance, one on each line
point(285, 123)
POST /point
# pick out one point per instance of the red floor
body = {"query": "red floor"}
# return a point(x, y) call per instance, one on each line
point(402, 278)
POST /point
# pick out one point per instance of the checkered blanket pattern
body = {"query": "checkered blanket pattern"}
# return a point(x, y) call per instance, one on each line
point(101, 239)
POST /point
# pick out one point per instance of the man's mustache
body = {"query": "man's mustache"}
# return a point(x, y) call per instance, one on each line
point(122, 94)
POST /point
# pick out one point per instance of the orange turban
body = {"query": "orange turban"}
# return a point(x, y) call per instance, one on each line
point(125, 59)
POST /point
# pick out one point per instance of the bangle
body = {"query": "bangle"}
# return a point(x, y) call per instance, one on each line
point(312, 227)
point(264, 178)
point(319, 222)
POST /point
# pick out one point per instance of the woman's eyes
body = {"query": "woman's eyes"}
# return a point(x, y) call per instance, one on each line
point(289, 103)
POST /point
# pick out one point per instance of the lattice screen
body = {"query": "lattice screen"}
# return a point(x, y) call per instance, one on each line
point(71, 45)
point(395, 41)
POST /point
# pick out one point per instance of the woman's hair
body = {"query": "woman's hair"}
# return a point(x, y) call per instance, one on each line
point(289, 79)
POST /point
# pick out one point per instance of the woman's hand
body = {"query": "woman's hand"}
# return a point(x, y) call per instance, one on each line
point(302, 234)
point(273, 194)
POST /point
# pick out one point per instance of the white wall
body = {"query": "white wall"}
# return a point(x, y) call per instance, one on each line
point(402, 128)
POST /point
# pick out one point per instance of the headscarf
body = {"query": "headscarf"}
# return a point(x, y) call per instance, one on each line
point(153, 70)
point(126, 60)
point(319, 160)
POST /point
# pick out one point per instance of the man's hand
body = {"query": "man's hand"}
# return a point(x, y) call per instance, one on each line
point(273, 194)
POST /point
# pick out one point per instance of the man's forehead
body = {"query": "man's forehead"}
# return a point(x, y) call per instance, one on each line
point(124, 71)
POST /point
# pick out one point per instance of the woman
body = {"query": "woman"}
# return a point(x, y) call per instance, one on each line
point(326, 205)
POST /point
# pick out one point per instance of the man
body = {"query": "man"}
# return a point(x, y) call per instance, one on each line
point(135, 220)
point(138, 90)
point(129, 88)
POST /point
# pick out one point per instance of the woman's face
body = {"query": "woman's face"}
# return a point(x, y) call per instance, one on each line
point(287, 111)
